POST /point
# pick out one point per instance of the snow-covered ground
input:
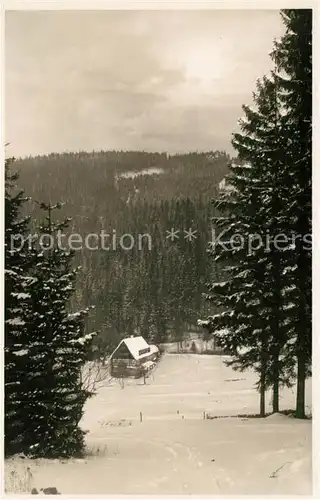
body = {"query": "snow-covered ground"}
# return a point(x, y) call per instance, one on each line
point(174, 449)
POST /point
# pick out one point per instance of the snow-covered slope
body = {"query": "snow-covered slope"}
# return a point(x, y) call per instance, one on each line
point(174, 450)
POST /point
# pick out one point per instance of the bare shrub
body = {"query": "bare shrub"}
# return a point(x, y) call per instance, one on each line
point(93, 375)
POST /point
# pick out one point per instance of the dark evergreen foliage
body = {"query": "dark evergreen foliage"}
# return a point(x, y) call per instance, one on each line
point(56, 351)
point(108, 198)
point(18, 263)
point(265, 302)
point(293, 57)
point(45, 346)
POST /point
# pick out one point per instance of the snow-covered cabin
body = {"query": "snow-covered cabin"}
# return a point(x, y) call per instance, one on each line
point(132, 356)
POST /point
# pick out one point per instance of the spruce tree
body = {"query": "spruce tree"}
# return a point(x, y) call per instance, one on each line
point(57, 351)
point(18, 263)
point(241, 326)
point(262, 143)
point(293, 58)
point(257, 333)
point(275, 141)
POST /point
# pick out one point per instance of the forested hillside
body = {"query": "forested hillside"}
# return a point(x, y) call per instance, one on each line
point(153, 289)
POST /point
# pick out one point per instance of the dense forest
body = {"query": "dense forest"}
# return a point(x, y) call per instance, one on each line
point(151, 289)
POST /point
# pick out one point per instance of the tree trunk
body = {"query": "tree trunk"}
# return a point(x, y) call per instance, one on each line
point(263, 380)
point(301, 340)
point(300, 401)
point(275, 395)
point(262, 396)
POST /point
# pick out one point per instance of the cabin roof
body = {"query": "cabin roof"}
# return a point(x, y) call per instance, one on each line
point(134, 345)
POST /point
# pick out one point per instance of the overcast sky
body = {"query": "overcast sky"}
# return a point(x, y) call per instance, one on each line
point(153, 80)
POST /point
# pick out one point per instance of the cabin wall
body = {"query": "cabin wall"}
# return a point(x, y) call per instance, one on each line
point(122, 353)
point(122, 368)
point(129, 367)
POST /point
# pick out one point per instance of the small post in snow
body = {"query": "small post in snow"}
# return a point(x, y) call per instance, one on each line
point(140, 416)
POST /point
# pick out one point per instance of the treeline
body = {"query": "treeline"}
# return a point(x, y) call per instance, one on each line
point(102, 183)
point(264, 302)
point(154, 289)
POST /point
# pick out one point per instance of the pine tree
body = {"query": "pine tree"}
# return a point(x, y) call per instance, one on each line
point(241, 327)
point(56, 352)
point(293, 58)
point(276, 144)
point(256, 335)
point(18, 262)
point(263, 144)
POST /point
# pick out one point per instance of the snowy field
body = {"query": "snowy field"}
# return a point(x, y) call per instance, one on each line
point(174, 450)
